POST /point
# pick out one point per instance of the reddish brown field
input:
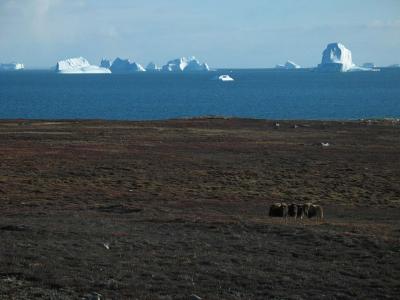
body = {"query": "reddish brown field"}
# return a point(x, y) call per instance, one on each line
point(168, 210)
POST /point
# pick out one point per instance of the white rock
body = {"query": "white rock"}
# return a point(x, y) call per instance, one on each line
point(105, 63)
point(184, 64)
point(11, 67)
point(336, 58)
point(79, 65)
point(223, 78)
point(152, 67)
point(289, 65)
point(125, 66)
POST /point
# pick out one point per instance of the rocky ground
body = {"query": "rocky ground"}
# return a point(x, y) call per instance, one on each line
point(179, 209)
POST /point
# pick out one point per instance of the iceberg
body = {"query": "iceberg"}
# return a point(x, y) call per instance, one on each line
point(105, 63)
point(11, 67)
point(369, 65)
point(124, 66)
point(336, 58)
point(195, 66)
point(184, 64)
point(394, 66)
point(152, 67)
point(289, 65)
point(223, 78)
point(176, 65)
point(79, 65)
point(367, 69)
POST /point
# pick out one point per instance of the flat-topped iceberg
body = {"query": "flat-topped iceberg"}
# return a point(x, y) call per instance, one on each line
point(79, 65)
point(184, 64)
point(289, 65)
point(152, 67)
point(336, 58)
point(123, 66)
point(11, 67)
point(223, 78)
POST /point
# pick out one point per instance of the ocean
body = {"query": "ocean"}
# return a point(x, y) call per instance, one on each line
point(263, 93)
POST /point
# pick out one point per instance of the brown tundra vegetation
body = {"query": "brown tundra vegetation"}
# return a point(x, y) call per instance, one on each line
point(179, 209)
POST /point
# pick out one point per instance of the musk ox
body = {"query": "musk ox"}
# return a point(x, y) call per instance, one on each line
point(295, 211)
point(315, 211)
point(292, 210)
point(300, 212)
point(305, 208)
point(278, 210)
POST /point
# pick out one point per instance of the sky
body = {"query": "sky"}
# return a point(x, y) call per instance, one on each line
point(224, 33)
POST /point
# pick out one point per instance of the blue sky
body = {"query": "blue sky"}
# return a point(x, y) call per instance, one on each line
point(225, 33)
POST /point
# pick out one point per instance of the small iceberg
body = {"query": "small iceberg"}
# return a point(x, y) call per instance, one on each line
point(125, 66)
point(152, 67)
point(79, 65)
point(184, 64)
point(363, 69)
point(223, 78)
point(289, 65)
point(394, 66)
point(12, 67)
point(369, 65)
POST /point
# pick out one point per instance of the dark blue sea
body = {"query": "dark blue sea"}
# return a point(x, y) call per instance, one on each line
point(269, 94)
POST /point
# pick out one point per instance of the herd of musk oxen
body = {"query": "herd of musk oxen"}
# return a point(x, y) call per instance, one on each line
point(297, 211)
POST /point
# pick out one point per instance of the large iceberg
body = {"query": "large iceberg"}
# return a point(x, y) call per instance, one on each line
point(289, 65)
point(79, 65)
point(11, 67)
point(124, 66)
point(184, 64)
point(152, 67)
point(336, 58)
